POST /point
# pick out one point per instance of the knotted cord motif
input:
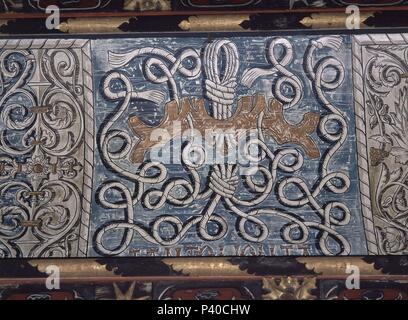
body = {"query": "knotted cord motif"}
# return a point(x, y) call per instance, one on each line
point(149, 186)
point(220, 87)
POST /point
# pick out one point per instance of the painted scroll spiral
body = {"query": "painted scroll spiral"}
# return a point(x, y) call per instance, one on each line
point(285, 77)
point(168, 71)
point(224, 179)
point(40, 136)
point(384, 121)
point(315, 71)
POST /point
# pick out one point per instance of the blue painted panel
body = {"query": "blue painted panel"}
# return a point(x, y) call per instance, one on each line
point(252, 52)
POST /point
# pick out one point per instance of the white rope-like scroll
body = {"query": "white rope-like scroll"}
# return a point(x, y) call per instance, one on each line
point(156, 59)
point(285, 77)
point(221, 66)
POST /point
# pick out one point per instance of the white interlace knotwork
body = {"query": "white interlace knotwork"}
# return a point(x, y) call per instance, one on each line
point(149, 186)
point(284, 76)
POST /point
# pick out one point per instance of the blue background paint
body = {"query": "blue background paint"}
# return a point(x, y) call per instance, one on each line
point(252, 54)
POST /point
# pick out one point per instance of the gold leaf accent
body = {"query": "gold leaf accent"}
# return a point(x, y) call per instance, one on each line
point(331, 20)
point(226, 22)
point(127, 295)
point(204, 267)
point(93, 25)
point(337, 266)
point(288, 288)
point(75, 268)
